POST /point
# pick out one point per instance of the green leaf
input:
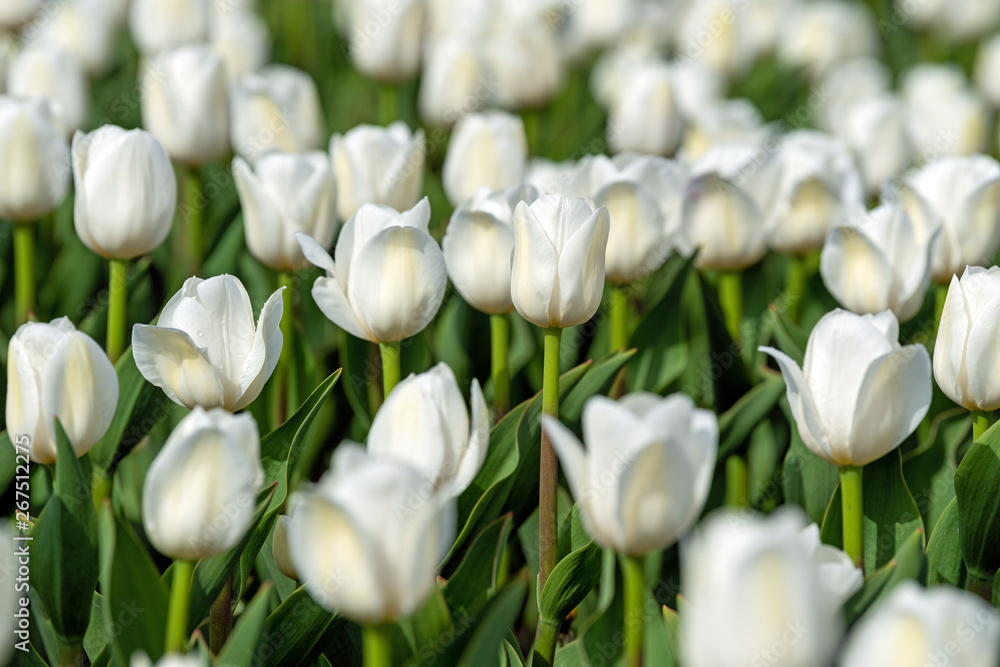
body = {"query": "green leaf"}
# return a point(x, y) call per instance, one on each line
point(426, 626)
point(570, 581)
point(728, 372)
point(977, 481)
point(476, 576)
point(596, 381)
point(299, 630)
point(736, 423)
point(908, 563)
point(8, 464)
point(65, 554)
point(241, 647)
point(789, 337)
point(808, 481)
point(480, 647)
point(662, 351)
point(944, 551)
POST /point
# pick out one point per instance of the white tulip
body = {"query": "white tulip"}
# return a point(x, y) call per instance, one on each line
point(200, 492)
point(768, 587)
point(455, 81)
point(957, 20)
point(733, 121)
point(987, 64)
point(615, 66)
point(646, 471)
point(243, 41)
point(947, 116)
point(859, 393)
point(961, 197)
point(42, 71)
point(594, 24)
point(280, 549)
point(34, 160)
point(725, 200)
point(389, 277)
point(966, 349)
point(478, 244)
point(82, 28)
point(276, 108)
point(525, 62)
point(645, 118)
point(286, 193)
point(158, 25)
point(185, 104)
point(13, 13)
point(368, 538)
point(424, 423)
point(486, 150)
point(205, 350)
point(875, 262)
point(716, 33)
point(551, 177)
point(697, 87)
point(114, 220)
point(378, 165)
point(385, 37)
point(820, 185)
point(877, 131)
point(818, 35)
point(846, 84)
point(55, 371)
point(914, 627)
point(140, 659)
point(557, 276)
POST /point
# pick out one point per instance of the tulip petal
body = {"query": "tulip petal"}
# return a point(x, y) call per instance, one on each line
point(169, 359)
point(654, 496)
point(477, 250)
point(264, 352)
point(950, 347)
point(977, 223)
point(23, 413)
point(810, 426)
point(856, 271)
point(572, 457)
point(475, 450)
point(425, 541)
point(315, 253)
point(534, 286)
point(330, 298)
point(261, 218)
point(981, 349)
point(581, 270)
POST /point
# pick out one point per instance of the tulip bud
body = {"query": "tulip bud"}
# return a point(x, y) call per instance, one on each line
point(201, 490)
point(646, 471)
point(875, 263)
point(286, 193)
point(184, 104)
point(204, 350)
point(948, 117)
point(424, 423)
point(80, 28)
point(819, 187)
point(454, 81)
point(557, 276)
point(243, 41)
point(960, 196)
point(279, 547)
point(386, 37)
point(44, 72)
point(55, 371)
point(389, 278)
point(526, 63)
point(721, 123)
point(15, 12)
point(117, 222)
point(987, 63)
point(846, 84)
point(965, 349)
point(818, 35)
point(914, 627)
point(34, 159)
point(368, 538)
point(716, 33)
point(157, 25)
point(877, 131)
point(378, 165)
point(276, 108)
point(645, 118)
point(487, 150)
point(734, 563)
point(859, 394)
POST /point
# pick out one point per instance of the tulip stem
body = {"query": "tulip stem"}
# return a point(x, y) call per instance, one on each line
point(221, 618)
point(731, 300)
point(117, 321)
point(737, 482)
point(797, 275)
point(500, 341)
point(24, 270)
point(633, 579)
point(390, 366)
point(852, 506)
point(981, 587)
point(940, 295)
point(71, 655)
point(377, 646)
point(981, 422)
point(282, 407)
point(619, 318)
point(549, 473)
point(388, 103)
point(177, 612)
point(193, 206)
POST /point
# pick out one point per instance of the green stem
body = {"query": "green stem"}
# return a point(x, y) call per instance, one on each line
point(981, 422)
point(940, 295)
point(633, 578)
point(731, 300)
point(390, 366)
point(101, 488)
point(852, 506)
point(281, 397)
point(737, 482)
point(177, 612)
point(377, 646)
point(193, 205)
point(980, 586)
point(619, 318)
point(797, 276)
point(71, 655)
point(499, 344)
point(548, 478)
point(388, 103)
point(117, 320)
point(546, 636)
point(24, 270)
point(221, 618)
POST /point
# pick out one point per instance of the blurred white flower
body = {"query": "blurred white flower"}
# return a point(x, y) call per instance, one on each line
point(385, 37)
point(877, 131)
point(157, 25)
point(818, 35)
point(593, 24)
point(947, 116)
point(81, 28)
point(551, 177)
point(42, 71)
point(276, 108)
point(455, 81)
point(716, 33)
point(615, 66)
point(243, 41)
point(645, 117)
point(845, 84)
point(280, 549)
point(486, 150)
point(958, 20)
point(987, 65)
point(34, 160)
point(525, 63)
point(697, 87)
point(732, 121)
point(13, 13)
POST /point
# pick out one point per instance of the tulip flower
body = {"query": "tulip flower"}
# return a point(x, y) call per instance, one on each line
point(948, 117)
point(199, 498)
point(243, 41)
point(733, 563)
point(818, 35)
point(488, 150)
point(955, 20)
point(856, 398)
point(157, 25)
point(846, 84)
point(987, 62)
point(645, 118)
point(368, 539)
point(280, 550)
point(386, 37)
point(721, 123)
point(205, 350)
point(42, 71)
point(55, 371)
point(34, 157)
point(276, 108)
point(914, 627)
point(15, 12)
point(526, 62)
point(140, 659)
point(452, 83)
point(877, 130)
point(874, 263)
point(378, 165)
point(79, 28)
point(388, 280)
point(730, 51)
point(184, 104)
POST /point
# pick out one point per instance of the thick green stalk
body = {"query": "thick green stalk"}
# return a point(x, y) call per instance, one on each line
point(731, 300)
point(546, 637)
point(117, 320)
point(100, 488)
point(193, 219)
point(390, 366)
point(851, 501)
point(619, 318)
point(797, 276)
point(981, 422)
point(940, 294)
point(737, 482)
point(633, 579)
point(388, 103)
point(981, 587)
point(377, 646)
point(548, 479)
point(177, 611)
point(71, 655)
point(499, 344)
point(221, 618)
point(24, 270)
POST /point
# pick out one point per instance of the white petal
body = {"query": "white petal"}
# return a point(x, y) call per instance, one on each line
point(810, 426)
point(169, 359)
point(264, 352)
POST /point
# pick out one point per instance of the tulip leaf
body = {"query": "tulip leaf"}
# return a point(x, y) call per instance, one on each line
point(475, 578)
point(8, 462)
point(424, 629)
point(299, 630)
point(976, 483)
point(241, 647)
point(789, 337)
point(891, 515)
point(930, 467)
point(808, 481)
point(908, 563)
point(354, 357)
point(736, 423)
point(944, 551)
point(729, 375)
point(64, 552)
point(596, 381)
point(570, 581)
point(572, 534)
